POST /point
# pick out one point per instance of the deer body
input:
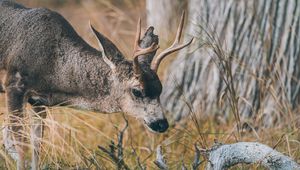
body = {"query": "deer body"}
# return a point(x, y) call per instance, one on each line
point(52, 60)
point(47, 63)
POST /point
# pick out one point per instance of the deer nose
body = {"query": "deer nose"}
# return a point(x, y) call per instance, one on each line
point(160, 125)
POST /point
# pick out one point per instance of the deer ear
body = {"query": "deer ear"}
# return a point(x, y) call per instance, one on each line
point(110, 50)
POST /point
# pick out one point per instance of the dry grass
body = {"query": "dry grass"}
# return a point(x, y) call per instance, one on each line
point(72, 136)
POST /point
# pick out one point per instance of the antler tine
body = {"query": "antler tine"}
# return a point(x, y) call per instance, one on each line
point(137, 49)
point(140, 51)
point(174, 47)
point(179, 29)
point(137, 35)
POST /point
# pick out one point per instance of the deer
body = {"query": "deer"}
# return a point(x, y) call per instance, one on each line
point(46, 63)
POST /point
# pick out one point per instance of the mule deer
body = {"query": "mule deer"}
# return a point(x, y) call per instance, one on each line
point(46, 63)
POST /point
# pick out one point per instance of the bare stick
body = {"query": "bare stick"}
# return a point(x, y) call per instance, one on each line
point(197, 161)
point(226, 156)
point(160, 161)
point(117, 158)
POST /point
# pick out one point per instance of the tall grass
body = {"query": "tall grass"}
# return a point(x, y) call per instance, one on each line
point(260, 40)
point(73, 137)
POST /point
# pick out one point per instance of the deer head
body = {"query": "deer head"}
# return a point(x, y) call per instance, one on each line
point(138, 93)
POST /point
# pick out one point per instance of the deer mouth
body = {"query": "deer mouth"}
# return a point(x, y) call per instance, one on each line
point(158, 126)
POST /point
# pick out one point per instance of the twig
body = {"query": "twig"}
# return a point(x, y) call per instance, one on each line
point(183, 167)
point(197, 161)
point(226, 156)
point(160, 162)
point(117, 158)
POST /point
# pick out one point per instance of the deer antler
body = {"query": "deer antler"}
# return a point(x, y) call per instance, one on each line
point(173, 48)
point(140, 51)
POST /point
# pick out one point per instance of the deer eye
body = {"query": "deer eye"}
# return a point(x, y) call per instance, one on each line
point(136, 92)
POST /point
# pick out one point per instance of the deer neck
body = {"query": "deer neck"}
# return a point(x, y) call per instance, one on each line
point(92, 81)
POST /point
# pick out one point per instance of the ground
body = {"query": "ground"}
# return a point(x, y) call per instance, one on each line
point(72, 136)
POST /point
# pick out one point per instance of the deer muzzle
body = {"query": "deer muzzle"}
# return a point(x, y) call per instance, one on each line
point(159, 126)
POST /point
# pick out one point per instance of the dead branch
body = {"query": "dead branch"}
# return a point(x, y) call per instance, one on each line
point(226, 156)
point(160, 161)
point(197, 161)
point(117, 158)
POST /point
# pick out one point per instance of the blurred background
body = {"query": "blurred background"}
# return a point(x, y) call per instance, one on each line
point(116, 19)
point(238, 81)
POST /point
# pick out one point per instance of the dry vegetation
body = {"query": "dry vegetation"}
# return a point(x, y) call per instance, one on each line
point(72, 136)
